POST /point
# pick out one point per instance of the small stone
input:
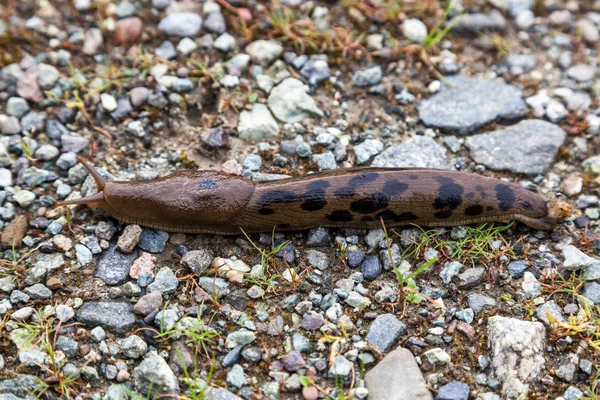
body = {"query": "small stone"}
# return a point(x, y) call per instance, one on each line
point(225, 42)
point(358, 301)
point(181, 24)
point(437, 356)
point(290, 102)
point(257, 124)
point(418, 152)
point(113, 267)
point(471, 278)
point(153, 377)
point(236, 377)
point(17, 107)
point(581, 72)
point(371, 268)
point(148, 304)
point(341, 367)
point(454, 391)
point(144, 264)
point(414, 30)
point(367, 149)
point(133, 346)
point(109, 103)
point(384, 332)
point(165, 281)
point(591, 291)
point(129, 238)
point(450, 270)
point(153, 241)
point(368, 77)
point(575, 259)
point(264, 52)
point(38, 291)
point(198, 260)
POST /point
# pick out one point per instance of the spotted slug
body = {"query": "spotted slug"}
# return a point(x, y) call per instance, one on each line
point(214, 202)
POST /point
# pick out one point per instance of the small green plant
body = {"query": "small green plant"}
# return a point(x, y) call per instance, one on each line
point(196, 386)
point(266, 280)
point(437, 33)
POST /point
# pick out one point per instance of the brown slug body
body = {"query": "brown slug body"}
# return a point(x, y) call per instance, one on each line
point(214, 202)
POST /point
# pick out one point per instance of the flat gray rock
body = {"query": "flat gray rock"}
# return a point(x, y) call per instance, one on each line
point(528, 147)
point(384, 332)
point(418, 152)
point(471, 104)
point(115, 316)
point(397, 377)
point(113, 267)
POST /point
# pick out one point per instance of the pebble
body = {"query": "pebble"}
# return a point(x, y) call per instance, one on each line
point(471, 104)
point(341, 366)
point(575, 259)
point(264, 52)
point(368, 77)
point(591, 291)
point(371, 268)
point(149, 303)
point(479, 302)
point(149, 372)
point(315, 71)
point(225, 43)
point(325, 161)
point(166, 50)
point(257, 124)
point(418, 152)
point(367, 149)
point(165, 281)
point(24, 198)
point(115, 316)
point(290, 102)
point(550, 308)
point(384, 332)
point(414, 30)
point(198, 261)
point(514, 149)
point(453, 391)
point(153, 241)
point(129, 239)
point(17, 107)
point(581, 72)
point(113, 267)
point(181, 24)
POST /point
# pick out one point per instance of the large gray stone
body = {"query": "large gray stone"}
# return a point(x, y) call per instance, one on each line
point(384, 332)
point(113, 267)
point(154, 377)
point(528, 147)
point(290, 102)
point(397, 377)
point(471, 103)
point(418, 152)
point(517, 349)
point(116, 316)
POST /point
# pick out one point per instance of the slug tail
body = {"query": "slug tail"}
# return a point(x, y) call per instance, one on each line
point(100, 181)
point(96, 199)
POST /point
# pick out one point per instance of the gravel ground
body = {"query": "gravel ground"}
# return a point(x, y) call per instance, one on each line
point(93, 308)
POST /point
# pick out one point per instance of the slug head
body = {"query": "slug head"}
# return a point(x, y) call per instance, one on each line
point(183, 199)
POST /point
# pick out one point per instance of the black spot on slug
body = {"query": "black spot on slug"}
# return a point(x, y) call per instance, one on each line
point(367, 205)
point(393, 187)
point(470, 196)
point(315, 196)
point(443, 214)
point(389, 215)
point(266, 211)
point(363, 178)
point(320, 184)
point(526, 205)
point(277, 196)
point(314, 204)
point(505, 196)
point(207, 184)
point(449, 195)
point(345, 192)
point(339, 216)
point(473, 210)
point(406, 216)
point(368, 218)
point(284, 226)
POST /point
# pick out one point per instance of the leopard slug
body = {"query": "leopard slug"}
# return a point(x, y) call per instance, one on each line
point(214, 202)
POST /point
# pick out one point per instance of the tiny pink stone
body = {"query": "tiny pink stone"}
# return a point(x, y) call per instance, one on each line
point(144, 263)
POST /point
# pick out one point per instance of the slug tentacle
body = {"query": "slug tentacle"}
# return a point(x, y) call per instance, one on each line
point(214, 202)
